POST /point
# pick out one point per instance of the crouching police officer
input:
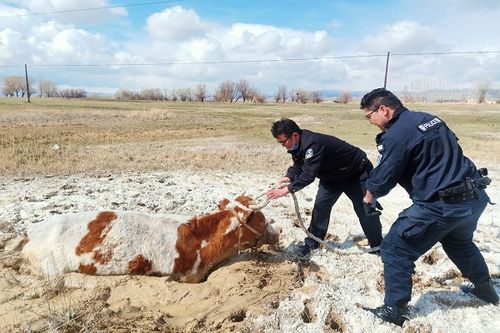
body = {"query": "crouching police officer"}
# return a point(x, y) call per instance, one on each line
point(341, 168)
point(418, 151)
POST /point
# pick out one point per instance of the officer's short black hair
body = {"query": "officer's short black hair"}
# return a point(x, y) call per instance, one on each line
point(378, 97)
point(285, 126)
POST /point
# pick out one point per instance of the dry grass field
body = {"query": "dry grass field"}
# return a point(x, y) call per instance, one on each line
point(98, 135)
point(182, 158)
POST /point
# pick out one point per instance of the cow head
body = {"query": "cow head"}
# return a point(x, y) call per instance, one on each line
point(205, 241)
point(254, 229)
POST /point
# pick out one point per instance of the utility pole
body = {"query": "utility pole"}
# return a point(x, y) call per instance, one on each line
point(386, 69)
point(27, 84)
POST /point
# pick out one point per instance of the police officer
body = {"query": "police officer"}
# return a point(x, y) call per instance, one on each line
point(340, 167)
point(418, 151)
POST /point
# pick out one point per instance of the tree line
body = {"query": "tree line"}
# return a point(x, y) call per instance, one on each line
point(226, 91)
point(15, 86)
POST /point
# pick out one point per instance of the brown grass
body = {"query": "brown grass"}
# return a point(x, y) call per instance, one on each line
point(98, 135)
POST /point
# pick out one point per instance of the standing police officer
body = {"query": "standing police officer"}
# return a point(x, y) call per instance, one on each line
point(340, 167)
point(418, 151)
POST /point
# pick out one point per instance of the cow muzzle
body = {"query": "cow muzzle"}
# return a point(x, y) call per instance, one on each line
point(271, 235)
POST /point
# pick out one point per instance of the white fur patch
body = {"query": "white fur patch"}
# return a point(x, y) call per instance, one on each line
point(52, 243)
point(196, 264)
point(233, 226)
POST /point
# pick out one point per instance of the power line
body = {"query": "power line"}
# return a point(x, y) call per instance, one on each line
point(92, 8)
point(243, 61)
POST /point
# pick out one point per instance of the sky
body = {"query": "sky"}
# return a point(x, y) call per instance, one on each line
point(313, 45)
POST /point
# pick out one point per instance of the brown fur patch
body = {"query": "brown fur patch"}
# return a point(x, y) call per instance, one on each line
point(223, 204)
point(95, 235)
point(221, 245)
point(89, 269)
point(139, 265)
point(103, 257)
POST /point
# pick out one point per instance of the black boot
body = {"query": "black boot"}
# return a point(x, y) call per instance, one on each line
point(391, 314)
point(483, 290)
point(303, 250)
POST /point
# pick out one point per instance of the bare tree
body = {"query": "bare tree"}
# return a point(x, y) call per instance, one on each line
point(407, 96)
point(184, 94)
point(302, 96)
point(200, 92)
point(316, 97)
point(344, 97)
point(126, 94)
point(244, 90)
point(226, 92)
point(280, 94)
point(258, 96)
point(14, 86)
point(482, 90)
point(47, 88)
point(151, 94)
point(293, 95)
point(72, 93)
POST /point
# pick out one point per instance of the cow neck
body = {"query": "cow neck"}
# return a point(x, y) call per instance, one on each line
point(243, 222)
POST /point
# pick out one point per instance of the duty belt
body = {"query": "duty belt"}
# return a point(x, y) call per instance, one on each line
point(464, 190)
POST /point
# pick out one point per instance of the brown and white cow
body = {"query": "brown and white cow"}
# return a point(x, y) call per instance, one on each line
point(121, 242)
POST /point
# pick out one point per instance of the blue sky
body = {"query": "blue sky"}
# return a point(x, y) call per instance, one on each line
point(208, 34)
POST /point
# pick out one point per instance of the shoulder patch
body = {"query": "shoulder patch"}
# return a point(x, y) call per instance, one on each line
point(429, 125)
point(309, 153)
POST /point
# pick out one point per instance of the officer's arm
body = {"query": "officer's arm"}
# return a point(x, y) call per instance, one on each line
point(295, 169)
point(393, 161)
point(312, 163)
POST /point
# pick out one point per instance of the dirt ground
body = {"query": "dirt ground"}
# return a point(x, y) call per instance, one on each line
point(269, 290)
point(252, 282)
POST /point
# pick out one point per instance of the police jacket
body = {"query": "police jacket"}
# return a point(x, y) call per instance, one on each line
point(323, 156)
point(418, 151)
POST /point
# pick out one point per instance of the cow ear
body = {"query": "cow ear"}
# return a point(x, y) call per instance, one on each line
point(223, 204)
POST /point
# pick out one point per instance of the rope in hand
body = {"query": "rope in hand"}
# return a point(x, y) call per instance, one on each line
point(301, 222)
point(299, 217)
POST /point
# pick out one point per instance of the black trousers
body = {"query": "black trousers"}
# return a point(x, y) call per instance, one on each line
point(417, 229)
point(327, 196)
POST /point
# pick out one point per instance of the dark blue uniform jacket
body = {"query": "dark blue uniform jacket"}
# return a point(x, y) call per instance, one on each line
point(418, 151)
point(326, 157)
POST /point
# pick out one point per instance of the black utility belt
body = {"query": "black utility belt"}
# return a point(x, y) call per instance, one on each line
point(465, 189)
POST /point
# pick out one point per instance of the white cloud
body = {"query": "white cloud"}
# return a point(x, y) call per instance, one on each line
point(176, 23)
point(242, 41)
point(180, 35)
point(11, 46)
point(404, 36)
point(200, 50)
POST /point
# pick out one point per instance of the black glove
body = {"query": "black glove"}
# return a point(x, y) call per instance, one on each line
point(371, 210)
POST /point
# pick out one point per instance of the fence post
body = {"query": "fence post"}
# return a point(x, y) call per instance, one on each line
point(27, 84)
point(386, 69)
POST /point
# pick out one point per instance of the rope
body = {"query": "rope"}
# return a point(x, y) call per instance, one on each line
point(310, 235)
point(301, 223)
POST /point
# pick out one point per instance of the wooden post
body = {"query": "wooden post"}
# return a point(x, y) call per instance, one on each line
point(27, 84)
point(386, 69)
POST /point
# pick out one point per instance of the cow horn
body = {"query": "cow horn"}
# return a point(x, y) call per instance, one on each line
point(259, 206)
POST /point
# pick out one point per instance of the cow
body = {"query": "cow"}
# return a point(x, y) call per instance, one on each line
point(185, 248)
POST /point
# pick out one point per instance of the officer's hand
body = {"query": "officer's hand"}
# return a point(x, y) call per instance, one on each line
point(371, 210)
point(277, 193)
point(282, 181)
